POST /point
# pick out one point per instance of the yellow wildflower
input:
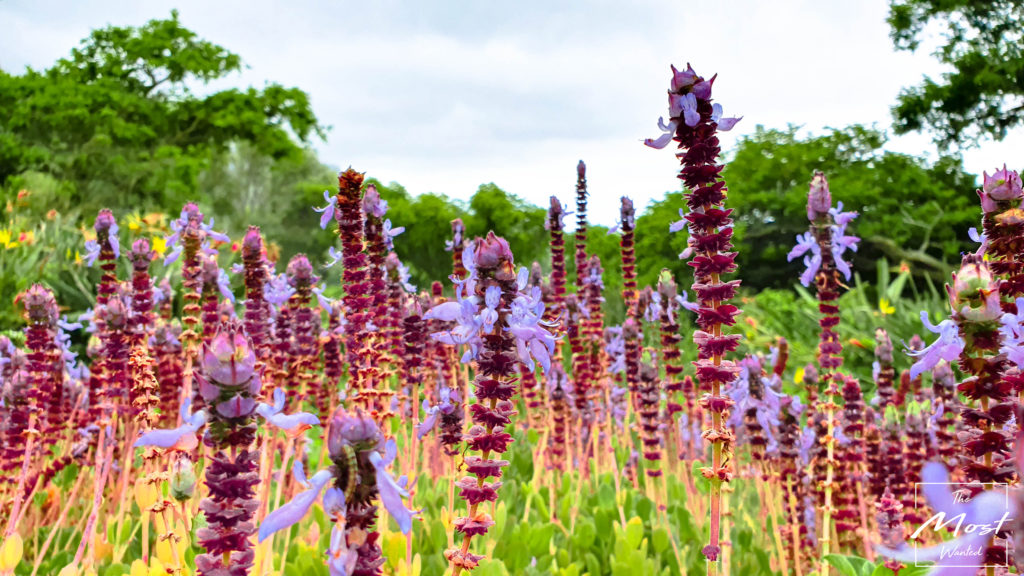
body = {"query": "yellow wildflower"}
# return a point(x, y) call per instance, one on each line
point(5, 239)
point(885, 307)
point(159, 245)
point(798, 377)
point(10, 552)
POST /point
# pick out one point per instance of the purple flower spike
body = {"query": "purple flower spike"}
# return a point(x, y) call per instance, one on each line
point(291, 423)
point(429, 420)
point(724, 124)
point(277, 291)
point(236, 407)
point(224, 285)
point(390, 492)
point(1002, 185)
point(92, 252)
point(327, 212)
point(171, 438)
point(295, 510)
point(986, 512)
point(947, 346)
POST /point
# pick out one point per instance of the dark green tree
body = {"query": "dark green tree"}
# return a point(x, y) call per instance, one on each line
point(982, 95)
point(118, 118)
point(518, 221)
point(910, 210)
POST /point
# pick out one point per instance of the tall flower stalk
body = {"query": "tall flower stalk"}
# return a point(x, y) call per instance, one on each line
point(257, 310)
point(822, 248)
point(143, 319)
point(672, 360)
point(230, 386)
point(973, 335)
point(355, 279)
point(379, 357)
point(189, 234)
point(305, 329)
point(501, 326)
point(694, 123)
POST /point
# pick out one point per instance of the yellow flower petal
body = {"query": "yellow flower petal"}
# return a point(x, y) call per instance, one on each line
point(10, 552)
point(159, 245)
point(145, 495)
point(798, 377)
point(139, 568)
point(69, 570)
point(101, 549)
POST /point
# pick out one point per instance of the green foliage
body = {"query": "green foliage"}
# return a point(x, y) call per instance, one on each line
point(117, 119)
point(909, 210)
point(980, 95)
point(891, 302)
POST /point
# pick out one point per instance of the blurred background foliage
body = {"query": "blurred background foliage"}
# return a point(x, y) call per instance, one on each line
point(121, 123)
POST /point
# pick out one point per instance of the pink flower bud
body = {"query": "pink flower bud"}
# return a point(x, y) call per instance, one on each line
point(1002, 185)
point(104, 221)
point(351, 429)
point(372, 203)
point(974, 293)
point(819, 198)
point(300, 271)
point(492, 252)
point(229, 358)
point(252, 244)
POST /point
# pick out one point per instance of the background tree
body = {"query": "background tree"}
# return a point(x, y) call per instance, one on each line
point(983, 93)
point(119, 119)
point(911, 210)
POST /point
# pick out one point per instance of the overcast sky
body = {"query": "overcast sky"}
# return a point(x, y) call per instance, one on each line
point(442, 96)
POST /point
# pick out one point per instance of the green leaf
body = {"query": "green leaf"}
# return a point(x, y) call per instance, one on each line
point(842, 564)
point(585, 533)
point(634, 533)
point(660, 539)
point(702, 483)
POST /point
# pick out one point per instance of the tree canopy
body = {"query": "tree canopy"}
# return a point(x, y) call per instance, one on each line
point(982, 95)
point(910, 211)
point(120, 117)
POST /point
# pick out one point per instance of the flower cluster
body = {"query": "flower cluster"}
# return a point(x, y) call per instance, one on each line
point(256, 275)
point(358, 478)
point(694, 122)
point(827, 241)
point(672, 359)
point(355, 278)
point(500, 325)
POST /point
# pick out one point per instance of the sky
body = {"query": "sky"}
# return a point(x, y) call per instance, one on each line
point(443, 96)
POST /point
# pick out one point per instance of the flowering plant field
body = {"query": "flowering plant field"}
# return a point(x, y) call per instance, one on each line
point(215, 411)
